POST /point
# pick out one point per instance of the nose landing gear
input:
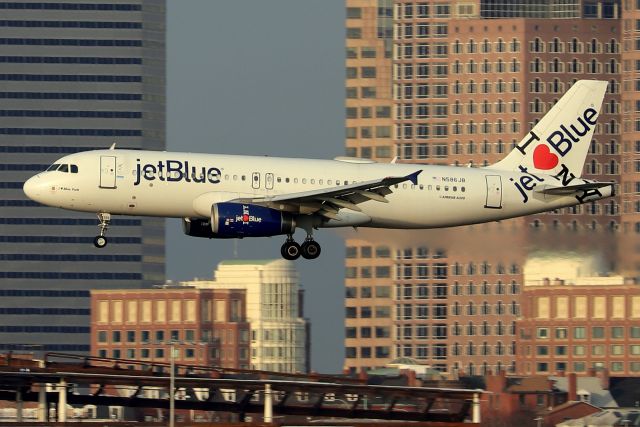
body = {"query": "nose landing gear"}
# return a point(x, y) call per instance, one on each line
point(100, 240)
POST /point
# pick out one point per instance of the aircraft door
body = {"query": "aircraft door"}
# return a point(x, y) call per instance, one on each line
point(107, 172)
point(268, 181)
point(494, 192)
point(255, 180)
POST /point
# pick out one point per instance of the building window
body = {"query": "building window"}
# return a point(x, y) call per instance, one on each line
point(365, 312)
point(354, 33)
point(617, 332)
point(382, 352)
point(542, 333)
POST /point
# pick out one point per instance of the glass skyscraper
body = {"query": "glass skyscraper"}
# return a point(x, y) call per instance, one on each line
point(74, 76)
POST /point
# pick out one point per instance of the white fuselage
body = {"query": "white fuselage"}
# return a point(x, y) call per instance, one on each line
point(148, 183)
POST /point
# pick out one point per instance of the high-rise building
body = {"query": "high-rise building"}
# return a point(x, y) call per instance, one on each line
point(464, 82)
point(75, 76)
point(280, 335)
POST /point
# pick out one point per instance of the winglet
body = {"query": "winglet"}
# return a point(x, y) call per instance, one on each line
point(414, 177)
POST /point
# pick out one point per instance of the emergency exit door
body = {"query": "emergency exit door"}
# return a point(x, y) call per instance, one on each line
point(255, 180)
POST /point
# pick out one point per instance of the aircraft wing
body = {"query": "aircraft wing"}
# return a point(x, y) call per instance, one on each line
point(328, 201)
point(570, 189)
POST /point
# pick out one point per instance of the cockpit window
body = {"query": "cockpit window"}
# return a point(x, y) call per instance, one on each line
point(63, 168)
point(53, 167)
point(74, 168)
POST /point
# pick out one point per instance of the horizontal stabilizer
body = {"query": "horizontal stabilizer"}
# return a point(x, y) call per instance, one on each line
point(570, 189)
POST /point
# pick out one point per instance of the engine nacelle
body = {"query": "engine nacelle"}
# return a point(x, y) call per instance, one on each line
point(197, 227)
point(247, 220)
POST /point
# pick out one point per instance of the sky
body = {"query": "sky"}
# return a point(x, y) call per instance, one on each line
point(261, 78)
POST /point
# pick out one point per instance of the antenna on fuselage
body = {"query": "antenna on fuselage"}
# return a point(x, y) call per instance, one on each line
point(113, 146)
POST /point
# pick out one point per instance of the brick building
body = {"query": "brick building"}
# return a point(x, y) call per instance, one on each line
point(207, 326)
point(464, 81)
point(575, 328)
point(532, 401)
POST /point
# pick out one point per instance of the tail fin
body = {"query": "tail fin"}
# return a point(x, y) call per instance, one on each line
point(560, 141)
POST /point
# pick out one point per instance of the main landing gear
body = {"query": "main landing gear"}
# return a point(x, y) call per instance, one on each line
point(291, 250)
point(101, 240)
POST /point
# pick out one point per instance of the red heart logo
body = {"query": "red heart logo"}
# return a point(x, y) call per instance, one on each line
point(543, 158)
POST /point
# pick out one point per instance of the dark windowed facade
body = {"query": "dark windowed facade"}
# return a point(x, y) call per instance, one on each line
point(72, 80)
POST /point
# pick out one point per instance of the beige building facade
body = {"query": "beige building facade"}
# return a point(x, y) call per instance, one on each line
point(274, 298)
point(467, 80)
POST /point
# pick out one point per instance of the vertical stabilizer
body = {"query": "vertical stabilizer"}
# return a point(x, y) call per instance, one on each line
point(559, 142)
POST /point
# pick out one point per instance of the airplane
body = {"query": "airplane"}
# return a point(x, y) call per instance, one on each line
point(230, 196)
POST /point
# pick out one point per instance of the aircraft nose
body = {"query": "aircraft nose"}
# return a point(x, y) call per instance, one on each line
point(33, 188)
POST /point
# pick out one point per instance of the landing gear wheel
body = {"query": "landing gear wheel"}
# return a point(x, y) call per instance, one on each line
point(311, 249)
point(100, 241)
point(290, 250)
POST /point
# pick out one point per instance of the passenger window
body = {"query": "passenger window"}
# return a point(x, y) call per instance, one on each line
point(430, 187)
point(437, 188)
point(279, 180)
point(74, 168)
point(295, 180)
point(422, 186)
point(286, 180)
point(226, 177)
point(462, 189)
point(244, 177)
point(63, 168)
point(446, 188)
point(313, 181)
point(329, 182)
point(304, 180)
point(404, 186)
point(53, 167)
point(235, 177)
point(320, 182)
point(455, 188)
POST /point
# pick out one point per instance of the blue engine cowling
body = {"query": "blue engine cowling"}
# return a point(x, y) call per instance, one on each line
point(230, 220)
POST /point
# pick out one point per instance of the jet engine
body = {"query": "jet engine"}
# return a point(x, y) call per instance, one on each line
point(238, 220)
point(197, 227)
